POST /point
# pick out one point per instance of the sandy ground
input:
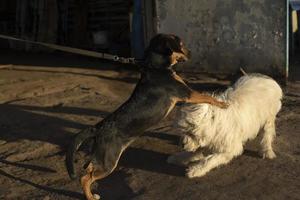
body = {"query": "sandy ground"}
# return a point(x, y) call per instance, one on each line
point(45, 99)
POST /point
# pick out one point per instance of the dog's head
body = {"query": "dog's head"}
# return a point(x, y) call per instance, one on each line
point(165, 50)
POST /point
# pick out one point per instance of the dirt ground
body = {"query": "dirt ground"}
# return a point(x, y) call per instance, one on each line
point(45, 99)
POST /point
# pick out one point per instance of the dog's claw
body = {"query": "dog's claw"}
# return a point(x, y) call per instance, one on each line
point(96, 196)
point(269, 155)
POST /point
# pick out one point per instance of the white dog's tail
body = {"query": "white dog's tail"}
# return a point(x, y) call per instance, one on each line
point(243, 72)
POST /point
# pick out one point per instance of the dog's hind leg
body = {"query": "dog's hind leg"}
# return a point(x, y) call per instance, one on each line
point(108, 156)
point(93, 174)
point(87, 181)
point(268, 137)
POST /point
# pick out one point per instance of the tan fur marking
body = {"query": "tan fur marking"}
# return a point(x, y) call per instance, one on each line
point(178, 78)
point(197, 97)
point(93, 174)
point(88, 179)
point(86, 182)
point(176, 56)
point(174, 101)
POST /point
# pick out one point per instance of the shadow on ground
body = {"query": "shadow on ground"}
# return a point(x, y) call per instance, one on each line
point(18, 122)
point(24, 122)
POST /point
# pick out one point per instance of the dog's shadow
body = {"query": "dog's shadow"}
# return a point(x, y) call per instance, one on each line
point(251, 153)
point(135, 158)
point(150, 161)
point(63, 192)
point(139, 158)
point(114, 187)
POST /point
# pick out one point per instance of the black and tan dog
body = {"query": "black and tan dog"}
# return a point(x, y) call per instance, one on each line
point(155, 95)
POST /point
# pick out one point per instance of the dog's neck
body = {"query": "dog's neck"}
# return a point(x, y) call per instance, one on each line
point(158, 61)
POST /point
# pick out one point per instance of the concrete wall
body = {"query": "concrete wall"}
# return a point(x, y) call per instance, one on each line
point(227, 34)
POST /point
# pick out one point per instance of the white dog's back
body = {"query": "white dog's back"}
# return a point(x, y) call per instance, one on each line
point(253, 99)
point(256, 88)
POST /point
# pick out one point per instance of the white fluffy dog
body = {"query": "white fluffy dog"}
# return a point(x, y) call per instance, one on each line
point(254, 100)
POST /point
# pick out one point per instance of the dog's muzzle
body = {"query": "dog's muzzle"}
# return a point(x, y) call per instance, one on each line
point(187, 55)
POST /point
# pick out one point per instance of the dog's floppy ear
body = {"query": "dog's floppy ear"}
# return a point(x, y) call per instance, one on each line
point(168, 49)
point(160, 44)
point(175, 44)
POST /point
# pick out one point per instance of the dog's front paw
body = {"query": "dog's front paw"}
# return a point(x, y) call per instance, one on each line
point(269, 154)
point(195, 171)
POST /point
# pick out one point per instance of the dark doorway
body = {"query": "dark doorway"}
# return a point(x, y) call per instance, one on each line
point(294, 40)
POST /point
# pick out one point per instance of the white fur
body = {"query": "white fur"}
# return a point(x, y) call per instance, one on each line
point(254, 101)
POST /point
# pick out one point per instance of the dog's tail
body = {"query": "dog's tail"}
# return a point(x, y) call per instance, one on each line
point(243, 71)
point(74, 146)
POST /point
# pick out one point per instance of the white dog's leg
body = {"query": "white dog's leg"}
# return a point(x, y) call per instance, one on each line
point(203, 166)
point(212, 161)
point(268, 137)
point(185, 157)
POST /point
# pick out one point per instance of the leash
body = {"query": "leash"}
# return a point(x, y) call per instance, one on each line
point(84, 52)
